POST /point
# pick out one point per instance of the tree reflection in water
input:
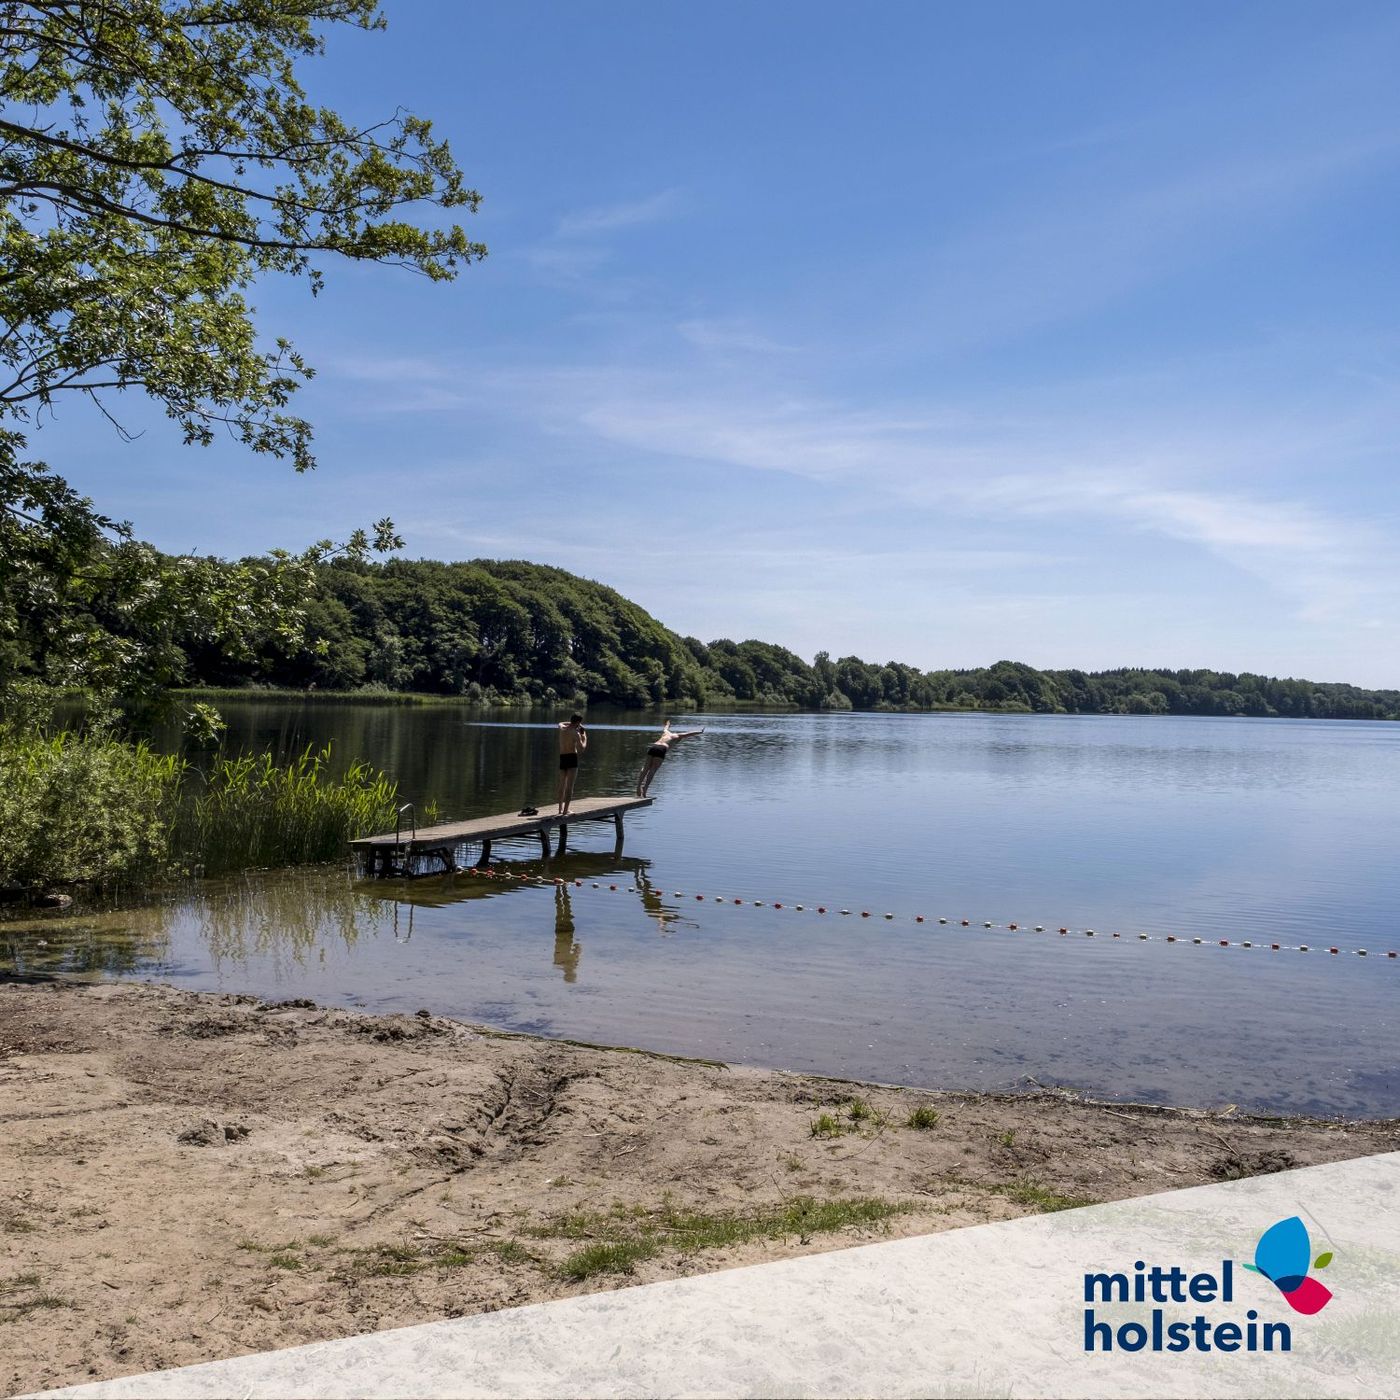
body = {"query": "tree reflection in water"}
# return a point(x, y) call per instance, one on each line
point(276, 925)
point(276, 918)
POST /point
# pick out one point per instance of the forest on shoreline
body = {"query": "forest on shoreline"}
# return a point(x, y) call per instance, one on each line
point(511, 632)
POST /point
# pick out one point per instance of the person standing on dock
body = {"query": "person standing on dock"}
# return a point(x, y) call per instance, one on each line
point(656, 754)
point(573, 740)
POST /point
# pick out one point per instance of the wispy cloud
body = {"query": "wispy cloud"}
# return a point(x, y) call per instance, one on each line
point(1143, 473)
point(1149, 480)
point(609, 218)
point(576, 254)
point(731, 335)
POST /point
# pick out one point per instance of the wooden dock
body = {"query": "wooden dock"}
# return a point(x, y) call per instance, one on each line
point(395, 853)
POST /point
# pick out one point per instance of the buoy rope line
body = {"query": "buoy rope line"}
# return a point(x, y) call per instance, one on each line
point(546, 881)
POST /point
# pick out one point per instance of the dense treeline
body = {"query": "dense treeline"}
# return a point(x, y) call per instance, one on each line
point(517, 632)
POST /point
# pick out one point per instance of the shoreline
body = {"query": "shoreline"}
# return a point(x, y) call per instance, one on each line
point(186, 1176)
point(411, 698)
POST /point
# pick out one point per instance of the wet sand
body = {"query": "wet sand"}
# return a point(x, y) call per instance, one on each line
point(189, 1176)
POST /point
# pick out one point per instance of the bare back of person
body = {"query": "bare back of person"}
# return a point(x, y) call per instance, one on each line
point(656, 754)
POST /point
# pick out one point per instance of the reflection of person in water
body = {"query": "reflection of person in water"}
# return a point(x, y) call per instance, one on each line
point(656, 754)
point(653, 903)
point(566, 951)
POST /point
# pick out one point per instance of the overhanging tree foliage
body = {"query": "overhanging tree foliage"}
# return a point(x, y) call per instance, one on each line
point(84, 604)
point(156, 157)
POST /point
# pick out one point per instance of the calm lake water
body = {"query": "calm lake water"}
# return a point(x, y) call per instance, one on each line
point(1272, 831)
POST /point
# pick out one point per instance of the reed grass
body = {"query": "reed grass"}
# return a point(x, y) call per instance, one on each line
point(253, 811)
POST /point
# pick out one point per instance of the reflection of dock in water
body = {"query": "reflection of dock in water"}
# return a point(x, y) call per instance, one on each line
point(578, 865)
point(627, 872)
point(399, 852)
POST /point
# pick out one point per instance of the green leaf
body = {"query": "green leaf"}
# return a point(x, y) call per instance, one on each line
point(1323, 1260)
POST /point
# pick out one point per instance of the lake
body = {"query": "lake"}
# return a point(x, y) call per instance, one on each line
point(1268, 831)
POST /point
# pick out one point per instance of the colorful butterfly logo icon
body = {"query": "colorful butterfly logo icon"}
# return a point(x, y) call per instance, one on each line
point(1282, 1256)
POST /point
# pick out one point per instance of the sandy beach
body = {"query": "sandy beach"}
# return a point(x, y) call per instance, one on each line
point(185, 1177)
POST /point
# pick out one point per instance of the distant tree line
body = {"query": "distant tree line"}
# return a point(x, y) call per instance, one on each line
point(519, 632)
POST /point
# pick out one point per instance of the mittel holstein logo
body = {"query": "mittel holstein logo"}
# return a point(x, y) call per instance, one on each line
point(1283, 1256)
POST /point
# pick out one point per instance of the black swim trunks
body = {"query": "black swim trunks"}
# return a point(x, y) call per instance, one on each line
point(567, 761)
point(657, 751)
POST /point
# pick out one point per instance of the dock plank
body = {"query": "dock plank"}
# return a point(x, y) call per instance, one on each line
point(499, 827)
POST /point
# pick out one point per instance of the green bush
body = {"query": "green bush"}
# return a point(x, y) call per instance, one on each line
point(83, 808)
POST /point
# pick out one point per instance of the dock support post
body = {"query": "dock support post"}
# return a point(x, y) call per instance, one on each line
point(544, 842)
point(485, 851)
point(617, 822)
point(563, 838)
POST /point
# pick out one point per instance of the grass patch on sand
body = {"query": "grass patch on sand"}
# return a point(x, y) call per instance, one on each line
point(620, 1238)
point(922, 1118)
point(389, 1260)
point(400, 1260)
point(511, 1252)
point(858, 1111)
point(1029, 1192)
point(848, 1116)
point(254, 1247)
point(22, 1294)
point(606, 1259)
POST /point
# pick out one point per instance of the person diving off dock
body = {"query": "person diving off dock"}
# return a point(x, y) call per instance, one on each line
point(573, 740)
point(656, 754)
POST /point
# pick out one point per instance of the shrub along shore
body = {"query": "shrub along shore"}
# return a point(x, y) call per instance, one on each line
point(80, 808)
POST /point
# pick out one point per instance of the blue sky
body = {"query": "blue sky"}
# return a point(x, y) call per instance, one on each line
point(1065, 332)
